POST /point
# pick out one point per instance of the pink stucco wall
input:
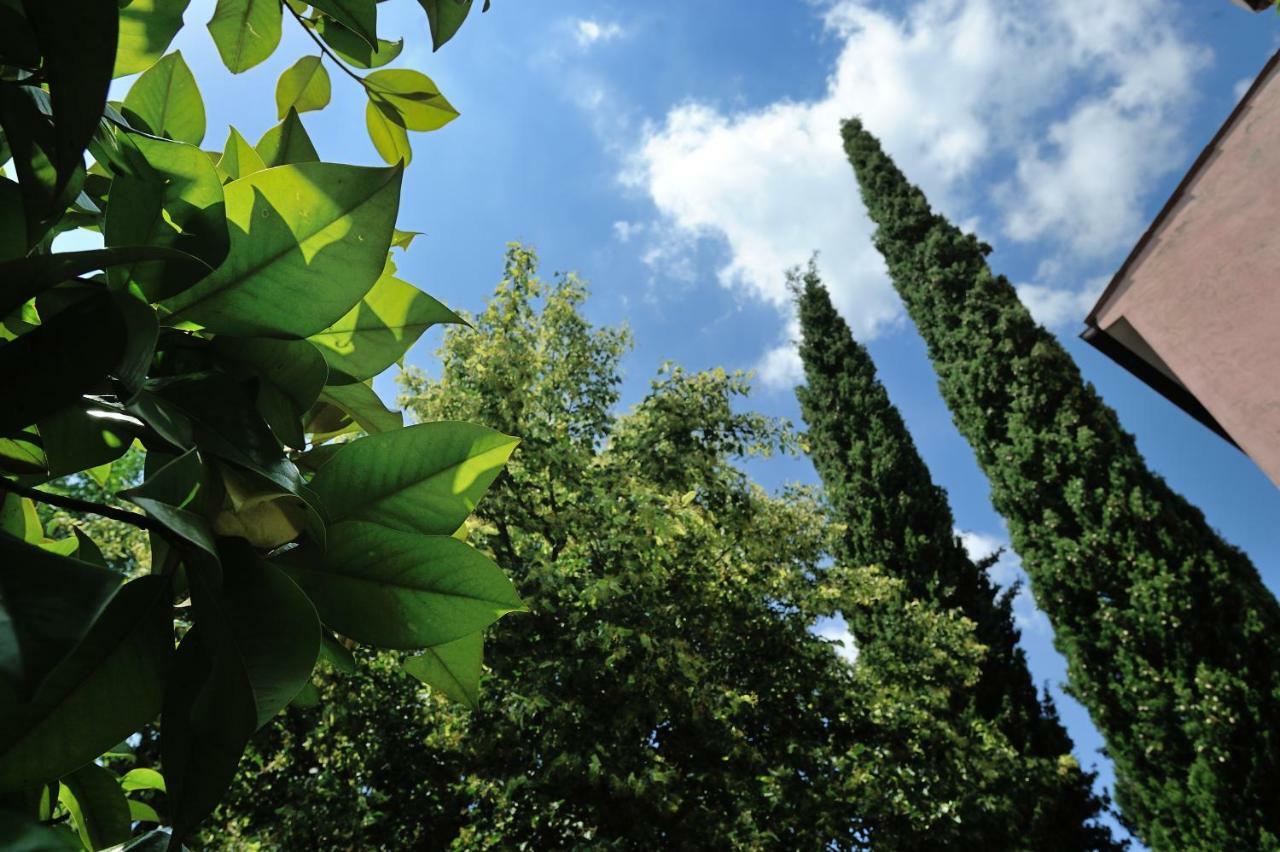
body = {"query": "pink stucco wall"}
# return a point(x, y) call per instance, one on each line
point(1204, 292)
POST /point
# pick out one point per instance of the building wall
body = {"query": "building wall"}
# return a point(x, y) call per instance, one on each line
point(1204, 291)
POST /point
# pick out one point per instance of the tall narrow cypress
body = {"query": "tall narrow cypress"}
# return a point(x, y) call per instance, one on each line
point(894, 516)
point(1172, 642)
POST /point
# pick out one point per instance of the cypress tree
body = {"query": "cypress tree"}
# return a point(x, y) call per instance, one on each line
point(894, 516)
point(1171, 640)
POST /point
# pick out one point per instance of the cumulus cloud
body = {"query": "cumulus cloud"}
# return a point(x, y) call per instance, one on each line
point(1048, 119)
point(1060, 307)
point(587, 32)
point(836, 631)
point(1006, 571)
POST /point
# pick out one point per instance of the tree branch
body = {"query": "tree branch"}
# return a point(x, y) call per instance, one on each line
point(74, 504)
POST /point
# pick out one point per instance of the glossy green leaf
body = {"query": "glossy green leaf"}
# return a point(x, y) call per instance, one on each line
point(142, 812)
point(246, 32)
point(86, 434)
point(167, 102)
point(79, 50)
point(445, 17)
point(287, 143)
point(146, 29)
point(226, 424)
point(254, 645)
point(307, 242)
point(29, 132)
point(403, 239)
point(401, 590)
point(97, 805)
point(362, 404)
point(13, 223)
point(239, 158)
point(359, 16)
point(380, 329)
point(176, 495)
point(337, 654)
point(27, 277)
point(290, 373)
point(351, 48)
point(20, 833)
point(47, 603)
point(425, 478)
point(389, 139)
point(303, 86)
point(142, 778)
point(454, 668)
point(50, 367)
point(170, 197)
point(104, 690)
point(409, 98)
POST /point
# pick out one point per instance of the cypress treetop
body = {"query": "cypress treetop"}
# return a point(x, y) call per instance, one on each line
point(1172, 641)
point(894, 516)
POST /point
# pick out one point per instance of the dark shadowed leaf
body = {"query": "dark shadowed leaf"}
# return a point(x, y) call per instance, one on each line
point(445, 17)
point(359, 16)
point(97, 804)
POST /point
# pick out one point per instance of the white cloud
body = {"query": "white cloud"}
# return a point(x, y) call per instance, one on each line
point(1241, 87)
point(623, 230)
point(1054, 306)
point(836, 631)
point(781, 366)
point(1056, 117)
point(1006, 571)
point(587, 32)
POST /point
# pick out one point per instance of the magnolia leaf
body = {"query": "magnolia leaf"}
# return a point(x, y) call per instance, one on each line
point(142, 812)
point(401, 590)
point(167, 102)
point(363, 405)
point(303, 86)
point(146, 29)
point(239, 158)
point(246, 32)
point(108, 687)
point(358, 16)
point(389, 139)
point(379, 330)
point(425, 478)
point(353, 49)
point(308, 241)
point(287, 143)
point(290, 373)
point(454, 668)
point(97, 805)
point(142, 778)
point(177, 496)
point(445, 17)
point(409, 98)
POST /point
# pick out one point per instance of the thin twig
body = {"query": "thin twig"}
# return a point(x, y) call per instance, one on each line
point(324, 48)
point(74, 504)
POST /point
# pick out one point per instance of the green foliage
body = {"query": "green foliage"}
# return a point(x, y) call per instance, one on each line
point(893, 515)
point(666, 689)
point(1172, 642)
point(162, 413)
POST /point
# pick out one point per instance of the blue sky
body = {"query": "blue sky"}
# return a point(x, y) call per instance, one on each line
point(681, 156)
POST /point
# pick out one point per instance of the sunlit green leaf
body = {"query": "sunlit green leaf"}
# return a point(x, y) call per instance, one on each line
point(409, 98)
point(146, 29)
point(167, 102)
point(380, 329)
point(239, 158)
point(307, 242)
point(246, 32)
point(401, 590)
point(287, 143)
point(425, 478)
point(142, 812)
point(363, 405)
point(303, 86)
point(142, 778)
point(389, 139)
point(454, 668)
